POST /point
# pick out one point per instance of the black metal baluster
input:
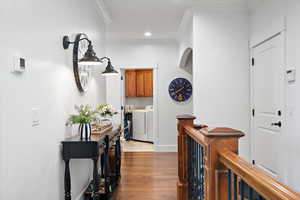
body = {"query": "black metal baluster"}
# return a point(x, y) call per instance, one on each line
point(235, 194)
point(199, 171)
point(202, 173)
point(250, 193)
point(189, 167)
point(194, 169)
point(229, 185)
point(242, 189)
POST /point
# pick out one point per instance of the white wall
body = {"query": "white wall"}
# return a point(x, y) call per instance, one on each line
point(185, 33)
point(31, 164)
point(221, 70)
point(139, 102)
point(277, 16)
point(163, 54)
point(267, 20)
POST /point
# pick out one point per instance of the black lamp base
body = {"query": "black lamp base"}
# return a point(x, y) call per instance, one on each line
point(66, 42)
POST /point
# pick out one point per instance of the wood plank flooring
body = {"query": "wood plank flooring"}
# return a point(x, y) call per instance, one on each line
point(148, 176)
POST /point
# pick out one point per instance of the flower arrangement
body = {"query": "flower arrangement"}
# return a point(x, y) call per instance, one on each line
point(85, 115)
point(106, 110)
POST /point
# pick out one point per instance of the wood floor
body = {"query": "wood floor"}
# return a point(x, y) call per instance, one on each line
point(148, 176)
point(135, 146)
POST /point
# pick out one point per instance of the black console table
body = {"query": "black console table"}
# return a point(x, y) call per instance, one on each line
point(97, 146)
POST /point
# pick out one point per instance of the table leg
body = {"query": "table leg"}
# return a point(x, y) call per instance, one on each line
point(96, 179)
point(67, 181)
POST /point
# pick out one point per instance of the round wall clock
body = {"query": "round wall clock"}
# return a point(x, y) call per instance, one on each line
point(82, 73)
point(180, 89)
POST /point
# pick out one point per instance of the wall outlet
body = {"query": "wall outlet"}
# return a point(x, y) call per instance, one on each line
point(35, 116)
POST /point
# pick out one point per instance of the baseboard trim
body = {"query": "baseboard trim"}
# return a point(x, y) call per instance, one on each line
point(166, 148)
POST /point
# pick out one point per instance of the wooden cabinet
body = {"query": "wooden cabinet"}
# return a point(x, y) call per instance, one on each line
point(139, 83)
point(130, 82)
point(148, 83)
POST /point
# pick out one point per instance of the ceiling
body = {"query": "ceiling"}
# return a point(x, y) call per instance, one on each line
point(131, 18)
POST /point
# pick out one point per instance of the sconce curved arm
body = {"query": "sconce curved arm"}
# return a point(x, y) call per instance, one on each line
point(105, 58)
point(67, 42)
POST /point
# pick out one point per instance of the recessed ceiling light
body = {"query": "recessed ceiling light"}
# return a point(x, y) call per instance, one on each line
point(147, 34)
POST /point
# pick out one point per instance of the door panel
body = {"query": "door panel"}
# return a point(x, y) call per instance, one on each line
point(140, 83)
point(113, 95)
point(148, 75)
point(139, 125)
point(130, 76)
point(268, 82)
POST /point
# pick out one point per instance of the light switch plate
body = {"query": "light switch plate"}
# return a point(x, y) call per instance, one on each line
point(291, 75)
point(19, 64)
point(35, 116)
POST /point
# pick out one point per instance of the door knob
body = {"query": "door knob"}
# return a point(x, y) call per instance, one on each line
point(276, 124)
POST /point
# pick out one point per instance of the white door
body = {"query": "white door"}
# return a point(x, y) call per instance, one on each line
point(139, 125)
point(149, 125)
point(268, 102)
point(113, 95)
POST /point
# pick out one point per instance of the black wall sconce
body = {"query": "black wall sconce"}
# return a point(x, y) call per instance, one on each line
point(109, 70)
point(85, 56)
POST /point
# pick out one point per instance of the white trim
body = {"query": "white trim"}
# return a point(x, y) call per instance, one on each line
point(155, 98)
point(152, 66)
point(166, 148)
point(103, 11)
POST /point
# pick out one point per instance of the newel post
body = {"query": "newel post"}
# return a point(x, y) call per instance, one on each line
point(216, 174)
point(182, 184)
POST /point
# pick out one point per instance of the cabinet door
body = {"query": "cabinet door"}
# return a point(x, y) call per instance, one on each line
point(148, 81)
point(130, 76)
point(140, 83)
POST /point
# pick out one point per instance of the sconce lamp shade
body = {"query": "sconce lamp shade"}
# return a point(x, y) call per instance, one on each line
point(109, 70)
point(90, 57)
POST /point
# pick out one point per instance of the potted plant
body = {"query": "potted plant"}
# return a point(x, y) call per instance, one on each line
point(84, 118)
point(106, 111)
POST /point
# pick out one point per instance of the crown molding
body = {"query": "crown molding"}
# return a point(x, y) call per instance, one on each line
point(103, 11)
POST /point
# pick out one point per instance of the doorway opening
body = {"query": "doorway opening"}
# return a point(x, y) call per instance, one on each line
point(135, 92)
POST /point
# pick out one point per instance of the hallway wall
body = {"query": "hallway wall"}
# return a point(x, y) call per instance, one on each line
point(31, 166)
point(271, 17)
point(164, 54)
point(221, 70)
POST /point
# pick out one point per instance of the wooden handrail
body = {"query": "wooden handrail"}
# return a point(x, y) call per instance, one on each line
point(194, 133)
point(264, 184)
point(220, 160)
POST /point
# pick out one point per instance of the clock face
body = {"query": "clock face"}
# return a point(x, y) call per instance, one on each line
point(82, 73)
point(180, 89)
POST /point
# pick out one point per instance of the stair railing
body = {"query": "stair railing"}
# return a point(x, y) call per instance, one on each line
point(209, 167)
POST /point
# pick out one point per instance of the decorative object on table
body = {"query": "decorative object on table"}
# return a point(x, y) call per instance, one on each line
point(84, 118)
point(106, 112)
point(180, 89)
point(84, 57)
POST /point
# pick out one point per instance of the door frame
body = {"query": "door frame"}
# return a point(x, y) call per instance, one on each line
point(282, 34)
point(155, 98)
